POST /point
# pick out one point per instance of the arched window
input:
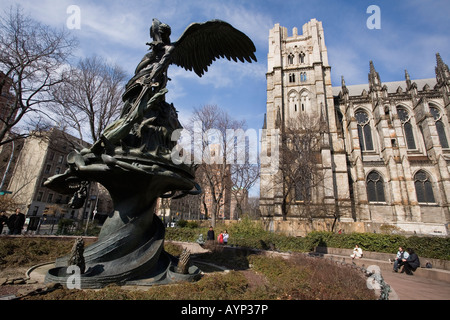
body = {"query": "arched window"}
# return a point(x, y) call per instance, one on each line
point(303, 189)
point(407, 127)
point(439, 126)
point(424, 188)
point(364, 130)
point(375, 187)
point(293, 101)
point(303, 76)
point(302, 57)
point(292, 77)
point(291, 59)
point(339, 123)
point(304, 101)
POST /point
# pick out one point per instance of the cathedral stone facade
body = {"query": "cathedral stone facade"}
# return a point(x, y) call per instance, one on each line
point(385, 147)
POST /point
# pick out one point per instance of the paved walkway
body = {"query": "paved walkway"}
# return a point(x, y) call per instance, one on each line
point(415, 287)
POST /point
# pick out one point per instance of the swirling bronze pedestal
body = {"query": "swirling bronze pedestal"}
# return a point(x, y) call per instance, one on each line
point(130, 247)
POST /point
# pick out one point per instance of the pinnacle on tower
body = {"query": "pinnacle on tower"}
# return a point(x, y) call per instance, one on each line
point(344, 87)
point(374, 78)
point(442, 71)
point(408, 80)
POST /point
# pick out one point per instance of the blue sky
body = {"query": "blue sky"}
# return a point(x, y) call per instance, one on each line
point(411, 33)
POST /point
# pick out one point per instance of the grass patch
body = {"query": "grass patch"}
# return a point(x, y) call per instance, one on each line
point(26, 252)
point(252, 276)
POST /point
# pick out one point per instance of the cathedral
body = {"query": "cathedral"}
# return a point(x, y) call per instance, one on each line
point(384, 151)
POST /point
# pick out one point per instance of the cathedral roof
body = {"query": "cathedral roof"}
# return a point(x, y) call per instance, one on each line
point(392, 87)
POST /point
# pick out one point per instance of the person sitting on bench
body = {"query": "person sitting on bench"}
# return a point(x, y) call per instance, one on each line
point(357, 253)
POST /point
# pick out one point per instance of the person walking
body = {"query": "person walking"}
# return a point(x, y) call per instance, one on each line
point(225, 237)
point(19, 221)
point(210, 234)
point(220, 238)
point(11, 223)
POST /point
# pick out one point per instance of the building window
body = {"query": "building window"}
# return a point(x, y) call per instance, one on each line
point(292, 77)
point(302, 190)
point(291, 59)
point(39, 196)
point(303, 76)
point(302, 57)
point(439, 126)
point(364, 131)
point(424, 188)
point(407, 127)
point(375, 187)
point(47, 168)
point(50, 198)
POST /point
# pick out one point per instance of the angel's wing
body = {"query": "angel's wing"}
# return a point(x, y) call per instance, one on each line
point(202, 43)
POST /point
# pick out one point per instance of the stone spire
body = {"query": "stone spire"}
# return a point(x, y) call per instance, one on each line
point(374, 78)
point(442, 72)
point(408, 80)
point(343, 86)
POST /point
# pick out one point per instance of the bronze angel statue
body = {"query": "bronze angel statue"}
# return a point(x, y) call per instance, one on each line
point(132, 160)
point(144, 108)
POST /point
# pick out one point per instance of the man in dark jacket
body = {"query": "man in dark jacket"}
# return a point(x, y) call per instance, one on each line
point(412, 263)
point(16, 222)
point(210, 234)
point(11, 222)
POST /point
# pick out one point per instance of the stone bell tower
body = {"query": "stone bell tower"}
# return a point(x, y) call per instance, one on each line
point(299, 86)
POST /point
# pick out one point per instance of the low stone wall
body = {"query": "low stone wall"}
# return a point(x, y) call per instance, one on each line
point(436, 263)
point(439, 272)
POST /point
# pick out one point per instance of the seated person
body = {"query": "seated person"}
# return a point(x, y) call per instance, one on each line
point(357, 252)
point(401, 254)
point(411, 263)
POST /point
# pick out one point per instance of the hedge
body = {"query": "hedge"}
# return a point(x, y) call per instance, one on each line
point(430, 247)
point(252, 236)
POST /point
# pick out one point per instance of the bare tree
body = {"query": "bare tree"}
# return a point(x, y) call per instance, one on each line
point(253, 208)
point(215, 146)
point(90, 98)
point(243, 177)
point(301, 175)
point(32, 56)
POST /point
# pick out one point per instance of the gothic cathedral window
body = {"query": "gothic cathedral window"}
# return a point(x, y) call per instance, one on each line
point(302, 57)
point(375, 187)
point(364, 131)
point(292, 77)
point(407, 127)
point(291, 59)
point(439, 126)
point(303, 189)
point(424, 188)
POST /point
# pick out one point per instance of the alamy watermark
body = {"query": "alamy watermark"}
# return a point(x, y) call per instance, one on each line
point(232, 146)
point(374, 21)
point(74, 278)
point(73, 21)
